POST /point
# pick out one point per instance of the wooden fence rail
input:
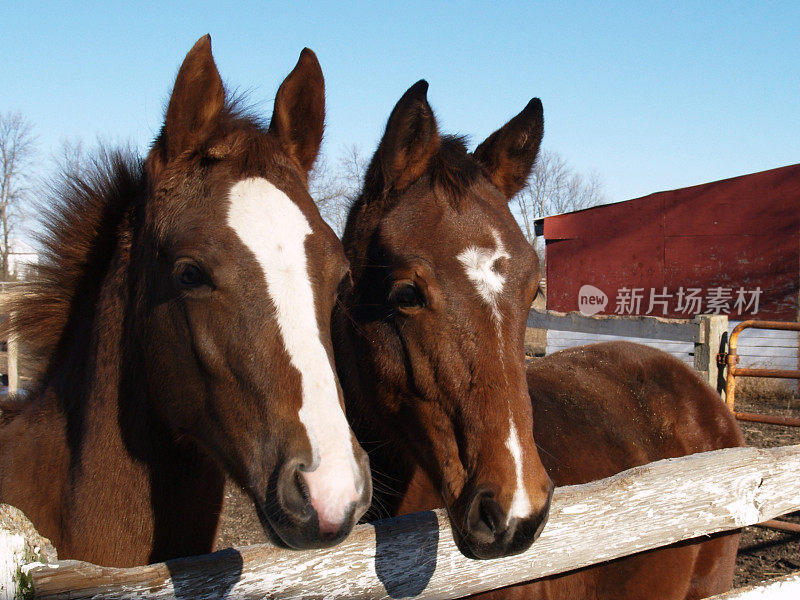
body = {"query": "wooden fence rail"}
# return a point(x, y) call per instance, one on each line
point(781, 588)
point(415, 556)
point(704, 331)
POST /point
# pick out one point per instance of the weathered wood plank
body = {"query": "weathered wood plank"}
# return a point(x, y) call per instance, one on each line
point(20, 547)
point(771, 342)
point(576, 337)
point(768, 352)
point(415, 556)
point(645, 327)
point(781, 588)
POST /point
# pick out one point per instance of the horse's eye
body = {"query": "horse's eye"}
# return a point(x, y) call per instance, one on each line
point(407, 296)
point(189, 274)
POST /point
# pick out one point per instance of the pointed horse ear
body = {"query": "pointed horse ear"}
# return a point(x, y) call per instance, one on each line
point(507, 155)
point(298, 119)
point(197, 100)
point(410, 141)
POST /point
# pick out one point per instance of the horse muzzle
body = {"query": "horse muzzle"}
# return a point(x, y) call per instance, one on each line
point(487, 531)
point(318, 509)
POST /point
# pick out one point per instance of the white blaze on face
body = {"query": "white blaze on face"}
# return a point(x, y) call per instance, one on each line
point(274, 229)
point(479, 265)
point(520, 503)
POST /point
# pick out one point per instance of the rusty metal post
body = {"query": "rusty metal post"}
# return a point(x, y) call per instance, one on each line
point(778, 525)
point(732, 360)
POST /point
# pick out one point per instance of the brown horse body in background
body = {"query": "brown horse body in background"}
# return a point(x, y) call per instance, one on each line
point(171, 345)
point(604, 408)
point(435, 318)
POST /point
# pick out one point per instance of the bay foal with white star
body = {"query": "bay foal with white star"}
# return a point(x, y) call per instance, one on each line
point(428, 337)
point(429, 348)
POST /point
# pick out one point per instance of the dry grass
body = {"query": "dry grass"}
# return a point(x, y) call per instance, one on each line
point(535, 342)
point(752, 389)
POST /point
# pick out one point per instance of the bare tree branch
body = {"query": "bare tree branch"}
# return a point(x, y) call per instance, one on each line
point(71, 158)
point(17, 149)
point(554, 188)
point(335, 190)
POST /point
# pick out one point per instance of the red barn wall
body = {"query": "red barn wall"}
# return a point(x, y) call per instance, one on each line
point(736, 233)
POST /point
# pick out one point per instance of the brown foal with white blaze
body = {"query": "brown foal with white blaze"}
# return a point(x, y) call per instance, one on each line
point(428, 336)
point(429, 349)
point(183, 314)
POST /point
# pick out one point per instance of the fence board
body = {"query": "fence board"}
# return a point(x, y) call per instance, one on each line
point(560, 340)
point(768, 362)
point(757, 347)
point(648, 327)
point(646, 507)
point(580, 338)
point(781, 588)
point(753, 342)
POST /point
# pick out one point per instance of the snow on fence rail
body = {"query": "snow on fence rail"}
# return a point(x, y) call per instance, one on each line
point(639, 509)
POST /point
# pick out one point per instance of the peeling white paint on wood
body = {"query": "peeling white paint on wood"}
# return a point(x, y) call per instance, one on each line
point(13, 553)
point(415, 556)
point(21, 550)
point(782, 588)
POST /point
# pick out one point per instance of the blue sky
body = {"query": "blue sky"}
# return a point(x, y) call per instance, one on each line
point(651, 96)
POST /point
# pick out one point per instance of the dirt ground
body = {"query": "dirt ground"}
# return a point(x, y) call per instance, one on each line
point(763, 553)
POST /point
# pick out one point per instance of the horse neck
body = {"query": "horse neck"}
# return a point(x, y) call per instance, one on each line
point(84, 375)
point(123, 461)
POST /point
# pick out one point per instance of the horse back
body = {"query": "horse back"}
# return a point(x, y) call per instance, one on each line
point(604, 408)
point(635, 403)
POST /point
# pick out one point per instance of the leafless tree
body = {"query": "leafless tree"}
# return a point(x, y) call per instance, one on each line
point(17, 148)
point(334, 189)
point(71, 158)
point(323, 186)
point(554, 188)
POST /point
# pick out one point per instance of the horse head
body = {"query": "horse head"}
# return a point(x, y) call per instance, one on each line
point(236, 275)
point(443, 279)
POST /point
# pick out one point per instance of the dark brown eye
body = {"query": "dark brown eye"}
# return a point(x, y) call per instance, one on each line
point(189, 275)
point(407, 296)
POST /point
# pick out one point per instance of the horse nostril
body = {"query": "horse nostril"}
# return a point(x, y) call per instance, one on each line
point(492, 514)
point(485, 518)
point(293, 493)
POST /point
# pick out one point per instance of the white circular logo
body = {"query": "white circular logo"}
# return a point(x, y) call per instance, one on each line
point(591, 300)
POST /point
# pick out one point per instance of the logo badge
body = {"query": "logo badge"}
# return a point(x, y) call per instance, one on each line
point(591, 300)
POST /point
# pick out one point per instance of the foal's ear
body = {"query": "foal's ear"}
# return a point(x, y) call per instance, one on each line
point(298, 119)
point(410, 141)
point(197, 100)
point(507, 155)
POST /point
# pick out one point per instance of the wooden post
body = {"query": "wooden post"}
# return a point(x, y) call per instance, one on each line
point(13, 354)
point(707, 346)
